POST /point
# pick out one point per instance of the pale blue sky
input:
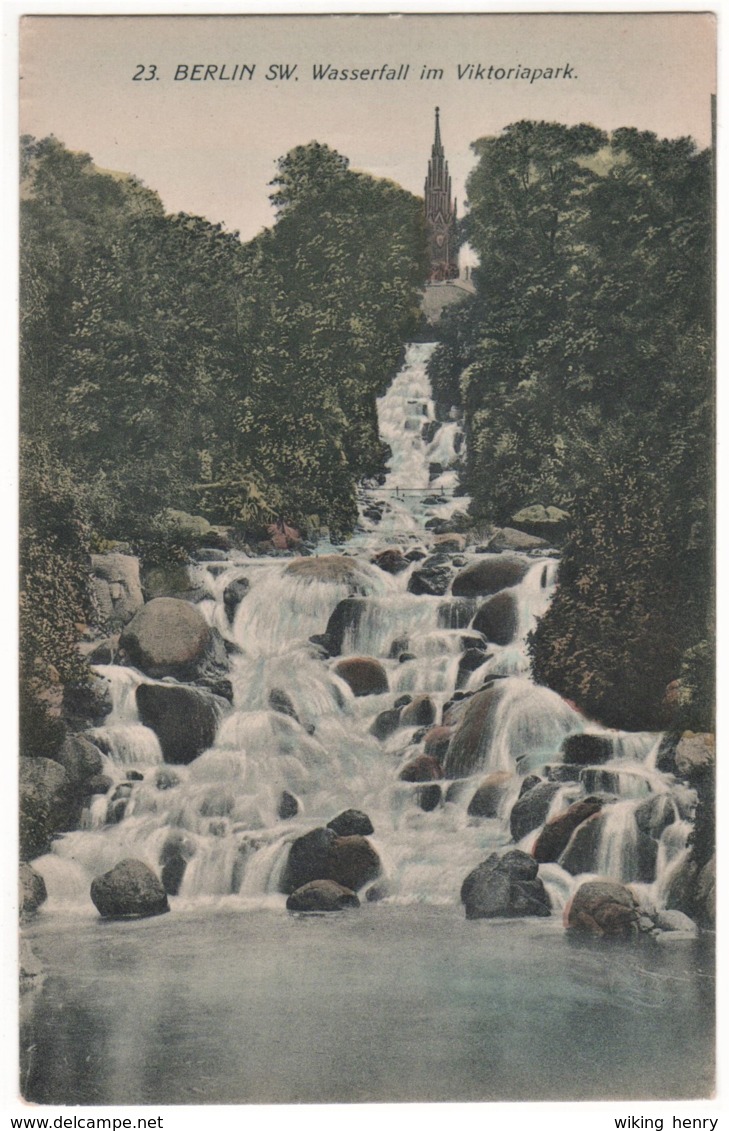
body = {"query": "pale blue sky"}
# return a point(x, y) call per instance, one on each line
point(209, 147)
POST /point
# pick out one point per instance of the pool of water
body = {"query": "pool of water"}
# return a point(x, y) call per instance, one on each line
point(388, 1003)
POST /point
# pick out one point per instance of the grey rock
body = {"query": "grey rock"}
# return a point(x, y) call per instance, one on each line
point(130, 890)
point(32, 892)
point(185, 719)
point(489, 575)
point(352, 822)
point(530, 811)
point(117, 587)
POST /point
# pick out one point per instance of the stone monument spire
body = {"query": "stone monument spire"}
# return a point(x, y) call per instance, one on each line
point(440, 214)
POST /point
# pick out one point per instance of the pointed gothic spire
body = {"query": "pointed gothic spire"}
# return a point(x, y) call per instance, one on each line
point(437, 144)
point(440, 213)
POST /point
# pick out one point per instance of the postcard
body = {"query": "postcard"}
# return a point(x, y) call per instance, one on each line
point(366, 552)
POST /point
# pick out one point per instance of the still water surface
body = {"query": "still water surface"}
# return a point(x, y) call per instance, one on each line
point(389, 1003)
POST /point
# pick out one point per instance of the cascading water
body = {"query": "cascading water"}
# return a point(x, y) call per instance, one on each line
point(220, 817)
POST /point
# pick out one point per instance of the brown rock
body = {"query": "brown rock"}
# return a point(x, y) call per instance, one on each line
point(391, 561)
point(436, 742)
point(489, 575)
point(472, 734)
point(602, 907)
point(321, 895)
point(352, 862)
point(332, 569)
point(365, 675)
point(419, 713)
point(421, 769)
point(555, 835)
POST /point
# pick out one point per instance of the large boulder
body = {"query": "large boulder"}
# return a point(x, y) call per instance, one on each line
point(420, 713)
point(353, 862)
point(45, 805)
point(530, 811)
point(32, 892)
point(173, 579)
point(188, 529)
point(169, 637)
point(185, 719)
point(365, 675)
point(695, 755)
point(555, 836)
point(322, 895)
point(332, 569)
point(80, 759)
point(489, 575)
point(117, 587)
point(308, 859)
point(322, 855)
point(602, 907)
point(507, 538)
point(344, 619)
point(130, 890)
point(352, 822)
point(472, 734)
point(498, 618)
point(422, 769)
point(505, 886)
point(433, 578)
point(551, 523)
point(587, 749)
point(486, 801)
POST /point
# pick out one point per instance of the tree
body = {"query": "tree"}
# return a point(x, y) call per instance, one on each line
point(585, 370)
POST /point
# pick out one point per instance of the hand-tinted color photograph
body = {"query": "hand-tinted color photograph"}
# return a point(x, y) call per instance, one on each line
point(366, 554)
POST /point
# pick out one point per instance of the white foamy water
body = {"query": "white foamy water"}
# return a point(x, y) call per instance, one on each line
point(222, 811)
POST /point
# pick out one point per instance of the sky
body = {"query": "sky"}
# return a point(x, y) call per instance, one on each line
point(209, 147)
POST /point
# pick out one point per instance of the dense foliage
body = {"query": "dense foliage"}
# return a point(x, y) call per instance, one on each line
point(164, 364)
point(584, 363)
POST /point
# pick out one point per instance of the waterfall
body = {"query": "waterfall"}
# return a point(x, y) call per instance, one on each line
point(219, 817)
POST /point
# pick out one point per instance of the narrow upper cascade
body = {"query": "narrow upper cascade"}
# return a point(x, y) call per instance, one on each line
point(298, 746)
